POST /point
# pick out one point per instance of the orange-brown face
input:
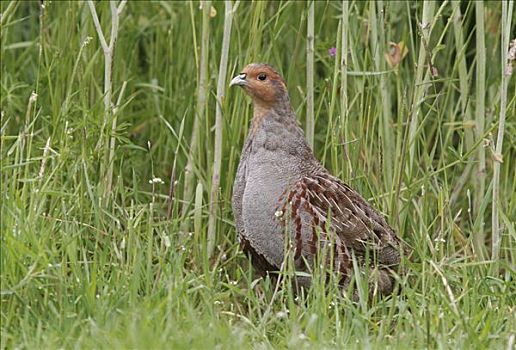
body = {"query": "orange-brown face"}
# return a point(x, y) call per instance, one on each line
point(262, 83)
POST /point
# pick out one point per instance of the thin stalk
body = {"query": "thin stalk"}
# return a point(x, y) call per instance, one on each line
point(221, 88)
point(421, 81)
point(463, 74)
point(464, 97)
point(377, 41)
point(344, 81)
point(480, 125)
point(333, 100)
point(108, 50)
point(256, 33)
point(505, 36)
point(310, 123)
point(202, 92)
point(115, 17)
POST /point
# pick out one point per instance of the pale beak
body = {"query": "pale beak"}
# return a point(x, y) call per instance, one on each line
point(239, 80)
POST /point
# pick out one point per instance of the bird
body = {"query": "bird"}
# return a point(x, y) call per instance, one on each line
point(284, 199)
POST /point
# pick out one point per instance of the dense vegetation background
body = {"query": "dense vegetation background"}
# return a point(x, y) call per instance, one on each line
point(410, 101)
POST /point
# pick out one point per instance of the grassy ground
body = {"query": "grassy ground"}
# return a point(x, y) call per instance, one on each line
point(90, 262)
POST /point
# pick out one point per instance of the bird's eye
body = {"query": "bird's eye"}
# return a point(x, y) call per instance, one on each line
point(262, 76)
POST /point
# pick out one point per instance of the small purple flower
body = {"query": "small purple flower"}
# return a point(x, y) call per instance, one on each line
point(332, 51)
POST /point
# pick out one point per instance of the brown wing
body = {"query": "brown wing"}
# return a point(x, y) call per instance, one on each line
point(335, 208)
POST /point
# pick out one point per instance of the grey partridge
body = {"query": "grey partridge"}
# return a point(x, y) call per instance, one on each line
point(281, 191)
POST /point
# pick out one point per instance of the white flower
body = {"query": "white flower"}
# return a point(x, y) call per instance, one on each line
point(86, 40)
point(511, 55)
point(282, 314)
point(33, 97)
point(156, 180)
point(166, 241)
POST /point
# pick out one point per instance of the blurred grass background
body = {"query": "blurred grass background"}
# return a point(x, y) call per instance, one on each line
point(98, 250)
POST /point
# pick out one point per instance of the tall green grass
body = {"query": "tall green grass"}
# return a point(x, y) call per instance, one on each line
point(104, 234)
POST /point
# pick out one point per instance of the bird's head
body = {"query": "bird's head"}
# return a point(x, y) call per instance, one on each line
point(260, 81)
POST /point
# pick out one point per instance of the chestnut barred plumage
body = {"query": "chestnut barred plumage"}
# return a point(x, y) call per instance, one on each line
point(282, 191)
